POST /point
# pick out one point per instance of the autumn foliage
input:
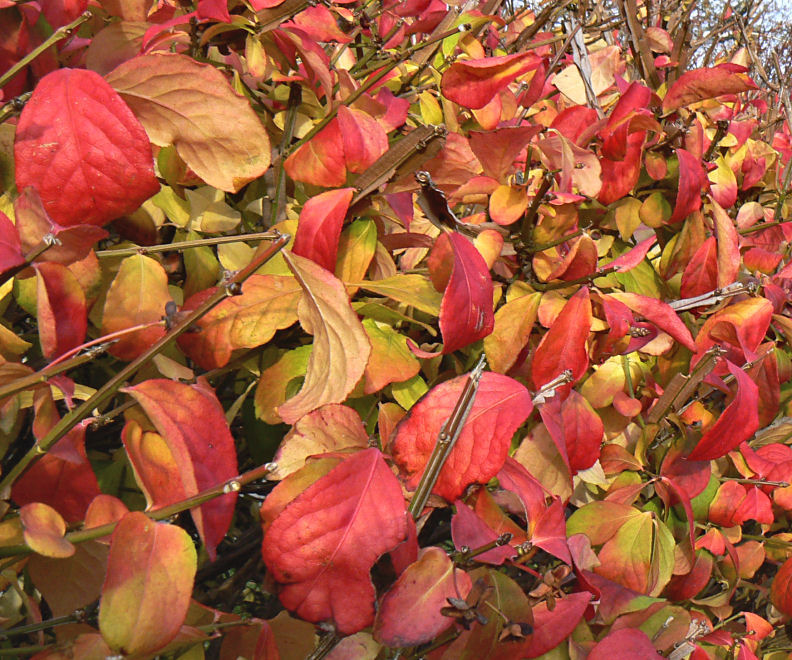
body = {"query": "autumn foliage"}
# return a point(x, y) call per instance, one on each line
point(363, 330)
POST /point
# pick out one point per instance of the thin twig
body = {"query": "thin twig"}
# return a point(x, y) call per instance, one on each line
point(185, 245)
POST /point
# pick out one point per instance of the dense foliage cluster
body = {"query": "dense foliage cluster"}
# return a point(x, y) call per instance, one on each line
point(377, 329)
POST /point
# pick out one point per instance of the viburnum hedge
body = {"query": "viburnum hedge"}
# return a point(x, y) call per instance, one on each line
point(392, 329)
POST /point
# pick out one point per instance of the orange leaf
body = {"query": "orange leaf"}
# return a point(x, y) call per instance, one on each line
point(320, 161)
point(44, 529)
point(328, 429)
point(62, 311)
point(728, 246)
point(137, 295)
point(267, 303)
point(188, 104)
point(513, 324)
point(341, 348)
point(148, 585)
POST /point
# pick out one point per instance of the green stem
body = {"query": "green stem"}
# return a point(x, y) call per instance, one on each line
point(59, 34)
point(108, 390)
point(184, 245)
point(295, 98)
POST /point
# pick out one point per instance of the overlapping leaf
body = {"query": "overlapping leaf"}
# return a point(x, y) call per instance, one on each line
point(501, 406)
point(192, 423)
point(322, 546)
point(187, 104)
point(83, 150)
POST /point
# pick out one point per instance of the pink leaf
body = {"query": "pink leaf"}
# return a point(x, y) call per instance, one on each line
point(659, 313)
point(474, 83)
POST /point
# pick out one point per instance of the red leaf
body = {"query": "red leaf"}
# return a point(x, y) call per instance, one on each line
point(781, 589)
point(551, 627)
point(409, 613)
point(322, 546)
point(62, 310)
point(632, 257)
point(148, 585)
point(192, 421)
point(735, 424)
point(363, 138)
point(701, 84)
point(60, 12)
point(216, 10)
point(501, 406)
point(320, 225)
point(497, 150)
point(659, 313)
point(474, 83)
point(10, 249)
point(701, 274)
point(62, 478)
point(466, 311)
point(620, 176)
point(469, 530)
point(564, 345)
point(742, 325)
point(583, 432)
point(624, 643)
point(692, 181)
point(320, 161)
point(549, 532)
point(80, 146)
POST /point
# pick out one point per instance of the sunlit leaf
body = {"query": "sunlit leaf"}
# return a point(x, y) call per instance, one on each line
point(501, 405)
point(79, 145)
point(341, 347)
point(187, 104)
point(148, 585)
point(322, 546)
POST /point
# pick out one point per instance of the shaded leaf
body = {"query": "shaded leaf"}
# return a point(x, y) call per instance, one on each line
point(79, 145)
point(551, 627)
point(781, 589)
point(659, 313)
point(187, 104)
point(513, 324)
point(391, 360)
point(61, 309)
point(340, 347)
point(692, 181)
point(409, 613)
point(735, 424)
point(147, 588)
point(322, 546)
point(728, 246)
point(192, 422)
point(500, 407)
point(10, 248)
